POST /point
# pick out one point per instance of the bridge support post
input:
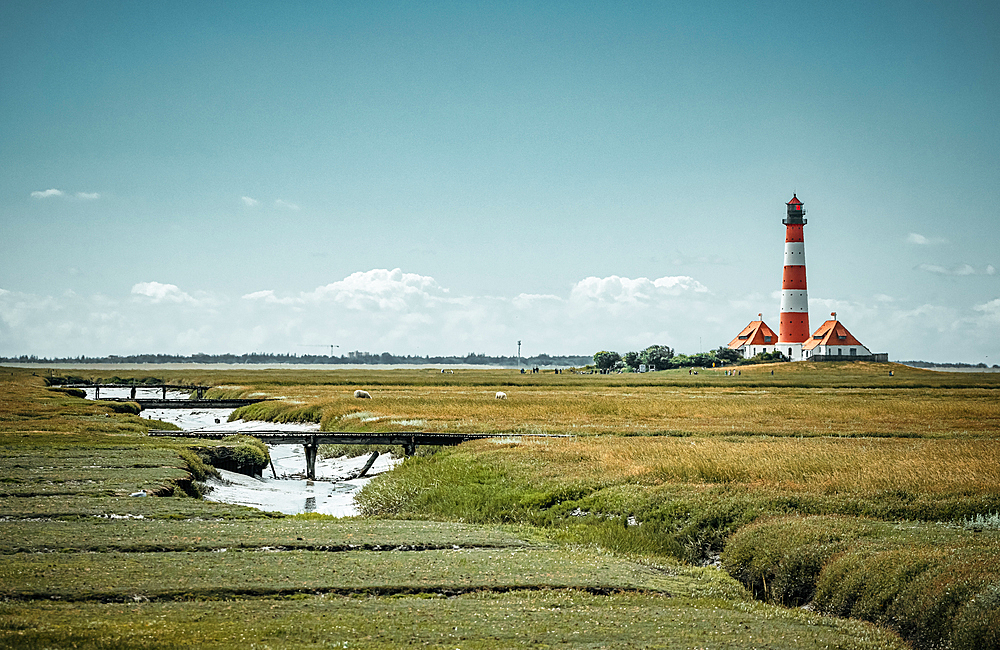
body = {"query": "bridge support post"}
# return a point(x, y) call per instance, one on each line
point(368, 465)
point(311, 448)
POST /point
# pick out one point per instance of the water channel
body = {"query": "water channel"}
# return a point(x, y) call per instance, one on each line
point(332, 492)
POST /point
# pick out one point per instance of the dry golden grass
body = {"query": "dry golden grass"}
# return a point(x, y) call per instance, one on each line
point(825, 465)
point(645, 410)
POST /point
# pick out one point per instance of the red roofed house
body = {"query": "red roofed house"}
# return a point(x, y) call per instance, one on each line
point(755, 338)
point(833, 340)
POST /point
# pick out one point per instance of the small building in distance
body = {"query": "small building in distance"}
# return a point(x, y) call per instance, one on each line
point(755, 338)
point(833, 342)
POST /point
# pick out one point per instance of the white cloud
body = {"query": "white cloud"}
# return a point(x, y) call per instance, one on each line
point(158, 292)
point(266, 294)
point(285, 205)
point(88, 196)
point(920, 240)
point(990, 311)
point(625, 290)
point(959, 270)
point(249, 202)
point(47, 193)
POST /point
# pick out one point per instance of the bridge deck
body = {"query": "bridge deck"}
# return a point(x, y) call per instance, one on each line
point(339, 437)
point(311, 440)
point(138, 385)
point(146, 403)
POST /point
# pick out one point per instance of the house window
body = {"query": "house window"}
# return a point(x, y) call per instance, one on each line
point(767, 339)
point(840, 351)
point(854, 352)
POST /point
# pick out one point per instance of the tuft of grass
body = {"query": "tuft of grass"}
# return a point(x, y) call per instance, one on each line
point(198, 468)
point(979, 522)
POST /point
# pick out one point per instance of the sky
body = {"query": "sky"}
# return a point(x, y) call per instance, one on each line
point(441, 178)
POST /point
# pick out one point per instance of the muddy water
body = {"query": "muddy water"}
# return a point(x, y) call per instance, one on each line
point(285, 489)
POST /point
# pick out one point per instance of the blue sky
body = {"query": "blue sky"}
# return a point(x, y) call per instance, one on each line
point(442, 178)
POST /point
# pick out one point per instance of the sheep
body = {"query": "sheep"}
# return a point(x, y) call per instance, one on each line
point(501, 395)
point(362, 394)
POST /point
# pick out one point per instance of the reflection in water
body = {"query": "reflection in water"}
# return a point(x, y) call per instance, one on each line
point(289, 493)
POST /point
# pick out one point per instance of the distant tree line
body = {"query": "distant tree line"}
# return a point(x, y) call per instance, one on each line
point(367, 358)
point(662, 357)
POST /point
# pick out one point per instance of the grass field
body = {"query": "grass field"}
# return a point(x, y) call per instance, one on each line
point(799, 479)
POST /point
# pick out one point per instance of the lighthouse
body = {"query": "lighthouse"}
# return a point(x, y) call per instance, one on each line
point(793, 328)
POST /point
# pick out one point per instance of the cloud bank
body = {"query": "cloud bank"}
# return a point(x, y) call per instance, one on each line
point(383, 310)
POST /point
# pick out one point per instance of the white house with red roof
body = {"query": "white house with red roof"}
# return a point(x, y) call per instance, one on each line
point(755, 338)
point(832, 339)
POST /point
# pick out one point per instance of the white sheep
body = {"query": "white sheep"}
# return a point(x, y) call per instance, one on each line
point(362, 394)
point(501, 395)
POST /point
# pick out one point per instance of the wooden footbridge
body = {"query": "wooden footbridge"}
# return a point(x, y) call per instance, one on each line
point(199, 391)
point(311, 440)
point(197, 401)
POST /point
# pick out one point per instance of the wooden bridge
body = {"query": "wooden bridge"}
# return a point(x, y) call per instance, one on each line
point(311, 440)
point(163, 403)
point(199, 391)
point(187, 403)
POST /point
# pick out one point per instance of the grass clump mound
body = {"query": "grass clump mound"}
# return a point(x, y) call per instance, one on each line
point(938, 586)
point(131, 408)
point(242, 454)
point(279, 411)
point(72, 392)
point(200, 470)
point(248, 452)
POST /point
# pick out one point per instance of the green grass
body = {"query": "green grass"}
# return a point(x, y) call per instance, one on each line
point(482, 620)
point(562, 542)
point(939, 586)
point(114, 576)
point(588, 488)
point(133, 535)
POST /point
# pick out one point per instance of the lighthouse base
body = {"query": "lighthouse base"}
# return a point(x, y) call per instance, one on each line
point(791, 350)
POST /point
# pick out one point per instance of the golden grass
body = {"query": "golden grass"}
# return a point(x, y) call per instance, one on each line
point(603, 409)
point(826, 465)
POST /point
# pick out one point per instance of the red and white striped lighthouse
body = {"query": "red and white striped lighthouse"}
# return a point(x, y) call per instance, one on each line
point(793, 329)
